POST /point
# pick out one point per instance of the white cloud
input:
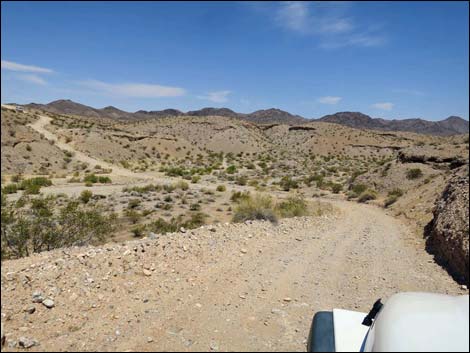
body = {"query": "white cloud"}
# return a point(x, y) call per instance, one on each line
point(329, 21)
point(329, 100)
point(9, 65)
point(383, 106)
point(216, 97)
point(294, 15)
point(140, 90)
point(33, 79)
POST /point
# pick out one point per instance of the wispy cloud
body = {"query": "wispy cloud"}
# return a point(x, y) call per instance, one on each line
point(329, 100)
point(329, 21)
point(216, 97)
point(383, 106)
point(411, 92)
point(32, 79)
point(138, 90)
point(12, 66)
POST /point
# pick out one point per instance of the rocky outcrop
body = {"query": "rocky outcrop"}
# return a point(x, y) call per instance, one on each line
point(429, 155)
point(449, 230)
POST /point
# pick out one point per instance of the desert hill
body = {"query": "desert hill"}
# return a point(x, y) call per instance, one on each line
point(450, 126)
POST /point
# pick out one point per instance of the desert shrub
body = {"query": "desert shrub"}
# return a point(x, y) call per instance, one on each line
point(358, 188)
point(195, 221)
point(181, 185)
point(161, 226)
point(85, 196)
point(231, 169)
point(38, 228)
point(90, 178)
point(336, 188)
point(252, 208)
point(288, 183)
point(10, 189)
point(195, 179)
point(241, 180)
point(367, 196)
point(396, 192)
point(104, 179)
point(414, 173)
point(393, 197)
point(28, 148)
point(143, 189)
point(169, 187)
point(195, 207)
point(221, 188)
point(138, 231)
point(294, 206)
point(168, 198)
point(133, 203)
point(238, 196)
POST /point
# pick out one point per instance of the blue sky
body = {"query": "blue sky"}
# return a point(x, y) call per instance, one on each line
point(385, 59)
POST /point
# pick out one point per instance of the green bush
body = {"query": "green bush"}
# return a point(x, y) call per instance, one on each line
point(138, 231)
point(259, 207)
point(85, 196)
point(195, 207)
point(104, 179)
point(336, 188)
point(231, 169)
point(288, 183)
point(221, 188)
point(414, 173)
point(367, 196)
point(10, 189)
point(294, 206)
point(181, 185)
point(44, 226)
point(239, 196)
point(90, 178)
point(393, 197)
point(358, 188)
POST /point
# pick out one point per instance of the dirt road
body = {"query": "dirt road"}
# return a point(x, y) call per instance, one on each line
point(235, 287)
point(39, 126)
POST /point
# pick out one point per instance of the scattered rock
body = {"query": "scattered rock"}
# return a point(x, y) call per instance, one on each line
point(26, 342)
point(38, 297)
point(30, 309)
point(147, 272)
point(48, 303)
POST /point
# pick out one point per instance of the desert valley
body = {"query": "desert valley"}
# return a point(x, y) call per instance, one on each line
point(126, 231)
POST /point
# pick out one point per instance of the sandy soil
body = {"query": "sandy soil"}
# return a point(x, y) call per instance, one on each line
point(232, 287)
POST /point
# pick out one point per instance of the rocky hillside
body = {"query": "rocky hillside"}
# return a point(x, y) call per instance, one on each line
point(69, 107)
point(449, 230)
point(451, 126)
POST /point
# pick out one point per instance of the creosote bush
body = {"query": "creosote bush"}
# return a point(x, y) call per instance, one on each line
point(414, 173)
point(42, 226)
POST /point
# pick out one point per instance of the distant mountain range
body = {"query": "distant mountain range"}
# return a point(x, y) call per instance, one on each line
point(450, 126)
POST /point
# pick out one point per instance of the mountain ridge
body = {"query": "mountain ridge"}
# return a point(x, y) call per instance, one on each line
point(452, 125)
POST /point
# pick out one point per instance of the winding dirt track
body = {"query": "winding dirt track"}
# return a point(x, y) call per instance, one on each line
point(237, 287)
point(241, 287)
